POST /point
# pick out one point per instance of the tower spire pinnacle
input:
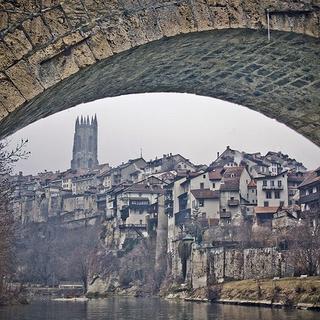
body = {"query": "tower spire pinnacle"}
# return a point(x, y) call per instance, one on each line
point(85, 147)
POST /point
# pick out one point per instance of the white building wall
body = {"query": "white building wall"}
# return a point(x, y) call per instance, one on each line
point(262, 193)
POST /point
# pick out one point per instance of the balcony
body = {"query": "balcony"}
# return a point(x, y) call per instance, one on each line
point(143, 207)
point(310, 197)
point(182, 216)
point(267, 188)
point(233, 203)
point(225, 214)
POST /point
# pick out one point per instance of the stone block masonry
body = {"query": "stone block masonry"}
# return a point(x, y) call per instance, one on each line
point(213, 265)
point(47, 46)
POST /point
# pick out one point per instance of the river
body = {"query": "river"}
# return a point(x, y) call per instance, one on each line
point(120, 308)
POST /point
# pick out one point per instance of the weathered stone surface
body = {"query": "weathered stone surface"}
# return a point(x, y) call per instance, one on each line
point(99, 46)
point(168, 17)
point(202, 16)
point(279, 78)
point(150, 25)
point(73, 38)
point(134, 29)
point(97, 8)
point(68, 36)
point(18, 43)
point(23, 78)
point(47, 77)
point(76, 13)
point(49, 3)
point(64, 65)
point(3, 111)
point(10, 97)
point(6, 56)
point(83, 55)
point(57, 21)
point(116, 34)
point(4, 21)
point(37, 31)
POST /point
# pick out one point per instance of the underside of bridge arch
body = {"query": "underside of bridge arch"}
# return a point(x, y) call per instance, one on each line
point(279, 78)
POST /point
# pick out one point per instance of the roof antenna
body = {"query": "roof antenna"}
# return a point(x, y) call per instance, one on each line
point(140, 152)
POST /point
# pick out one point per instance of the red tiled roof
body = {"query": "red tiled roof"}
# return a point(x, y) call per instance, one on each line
point(216, 174)
point(231, 179)
point(252, 184)
point(205, 194)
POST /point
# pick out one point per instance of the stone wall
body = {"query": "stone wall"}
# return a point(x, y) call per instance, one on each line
point(43, 43)
point(214, 265)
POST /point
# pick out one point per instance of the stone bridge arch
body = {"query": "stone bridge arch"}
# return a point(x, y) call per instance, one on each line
point(57, 54)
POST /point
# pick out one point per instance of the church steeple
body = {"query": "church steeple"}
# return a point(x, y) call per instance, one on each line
point(85, 143)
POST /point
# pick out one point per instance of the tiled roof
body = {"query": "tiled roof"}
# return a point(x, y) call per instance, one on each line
point(252, 184)
point(270, 210)
point(205, 194)
point(296, 177)
point(231, 179)
point(144, 188)
point(216, 174)
point(311, 177)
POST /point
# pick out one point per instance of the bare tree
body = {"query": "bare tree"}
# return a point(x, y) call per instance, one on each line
point(304, 245)
point(7, 161)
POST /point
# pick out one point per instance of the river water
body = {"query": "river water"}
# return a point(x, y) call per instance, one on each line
point(146, 309)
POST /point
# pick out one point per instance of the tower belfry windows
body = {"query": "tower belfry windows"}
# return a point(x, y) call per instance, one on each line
point(85, 144)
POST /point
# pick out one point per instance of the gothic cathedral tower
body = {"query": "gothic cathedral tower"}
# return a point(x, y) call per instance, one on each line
point(85, 144)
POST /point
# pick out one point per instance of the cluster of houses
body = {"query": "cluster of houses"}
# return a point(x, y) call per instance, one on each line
point(271, 190)
point(267, 190)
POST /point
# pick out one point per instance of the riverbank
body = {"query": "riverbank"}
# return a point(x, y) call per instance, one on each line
point(301, 293)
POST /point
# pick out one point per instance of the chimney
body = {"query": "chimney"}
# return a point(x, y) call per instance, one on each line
point(218, 154)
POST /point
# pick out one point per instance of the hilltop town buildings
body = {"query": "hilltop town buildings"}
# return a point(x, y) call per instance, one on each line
point(235, 188)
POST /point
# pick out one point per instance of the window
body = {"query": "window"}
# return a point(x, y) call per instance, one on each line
point(279, 183)
point(281, 203)
point(213, 185)
point(277, 194)
point(266, 204)
point(201, 202)
point(90, 144)
point(272, 183)
point(140, 221)
point(204, 176)
point(265, 183)
point(201, 185)
point(269, 195)
point(252, 190)
point(232, 198)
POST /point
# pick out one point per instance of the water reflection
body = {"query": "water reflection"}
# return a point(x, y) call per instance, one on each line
point(146, 309)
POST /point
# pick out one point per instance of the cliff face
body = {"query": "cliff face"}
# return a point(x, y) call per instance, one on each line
point(129, 271)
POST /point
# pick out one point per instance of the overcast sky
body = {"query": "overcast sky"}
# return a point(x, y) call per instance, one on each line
point(196, 127)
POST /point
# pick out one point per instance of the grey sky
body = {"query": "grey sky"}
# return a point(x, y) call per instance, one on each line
point(197, 127)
